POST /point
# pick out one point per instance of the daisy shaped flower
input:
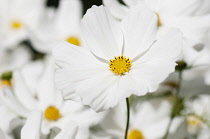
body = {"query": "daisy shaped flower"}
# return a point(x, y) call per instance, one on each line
point(117, 60)
point(33, 126)
point(14, 58)
point(15, 17)
point(56, 25)
point(149, 120)
point(198, 115)
point(192, 17)
point(31, 88)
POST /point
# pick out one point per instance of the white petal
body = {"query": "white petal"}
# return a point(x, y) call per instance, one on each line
point(31, 129)
point(115, 120)
point(43, 39)
point(2, 135)
point(67, 55)
point(73, 97)
point(139, 29)
point(69, 16)
point(102, 33)
point(69, 132)
point(83, 132)
point(178, 7)
point(117, 10)
point(31, 80)
point(148, 75)
point(45, 88)
point(194, 28)
point(98, 91)
point(5, 118)
point(12, 59)
point(10, 101)
point(125, 87)
point(157, 129)
point(78, 65)
point(154, 5)
point(168, 47)
point(22, 92)
point(203, 7)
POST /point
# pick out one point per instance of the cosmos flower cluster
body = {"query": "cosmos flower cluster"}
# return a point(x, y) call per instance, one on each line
point(127, 69)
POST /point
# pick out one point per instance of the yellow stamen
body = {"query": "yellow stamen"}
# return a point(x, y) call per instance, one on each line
point(52, 113)
point(135, 134)
point(120, 65)
point(5, 83)
point(159, 21)
point(193, 121)
point(73, 40)
point(16, 25)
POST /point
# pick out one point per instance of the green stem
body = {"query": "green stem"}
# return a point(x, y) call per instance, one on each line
point(128, 117)
point(179, 84)
point(177, 96)
point(167, 131)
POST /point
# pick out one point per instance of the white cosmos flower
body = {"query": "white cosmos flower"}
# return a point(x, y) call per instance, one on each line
point(192, 17)
point(148, 120)
point(58, 24)
point(14, 58)
point(15, 17)
point(32, 88)
point(117, 60)
point(31, 130)
point(199, 106)
point(5, 118)
point(198, 120)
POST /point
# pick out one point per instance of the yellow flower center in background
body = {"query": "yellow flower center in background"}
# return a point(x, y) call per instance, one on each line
point(16, 25)
point(5, 83)
point(159, 21)
point(193, 121)
point(52, 113)
point(120, 65)
point(135, 134)
point(73, 40)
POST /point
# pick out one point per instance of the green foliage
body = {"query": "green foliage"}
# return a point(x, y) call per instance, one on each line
point(178, 107)
point(6, 75)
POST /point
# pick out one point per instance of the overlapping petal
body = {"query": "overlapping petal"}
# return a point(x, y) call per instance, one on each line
point(32, 127)
point(101, 33)
point(139, 29)
point(117, 10)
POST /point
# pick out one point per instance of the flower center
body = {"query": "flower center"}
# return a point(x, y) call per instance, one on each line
point(159, 21)
point(193, 121)
point(16, 25)
point(5, 83)
point(135, 134)
point(120, 65)
point(52, 113)
point(73, 40)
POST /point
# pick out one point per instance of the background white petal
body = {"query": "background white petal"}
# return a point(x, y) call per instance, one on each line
point(117, 10)
point(69, 132)
point(31, 129)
